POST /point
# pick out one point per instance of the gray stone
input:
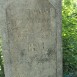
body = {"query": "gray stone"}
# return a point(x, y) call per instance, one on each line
point(31, 31)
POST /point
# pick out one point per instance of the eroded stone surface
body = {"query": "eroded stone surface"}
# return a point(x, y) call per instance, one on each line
point(30, 39)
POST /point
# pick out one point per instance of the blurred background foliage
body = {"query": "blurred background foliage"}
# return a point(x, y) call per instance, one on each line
point(69, 36)
point(1, 60)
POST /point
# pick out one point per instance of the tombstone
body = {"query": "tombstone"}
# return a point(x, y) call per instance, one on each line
point(31, 32)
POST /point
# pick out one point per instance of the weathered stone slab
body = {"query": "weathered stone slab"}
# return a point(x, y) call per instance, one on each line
point(30, 39)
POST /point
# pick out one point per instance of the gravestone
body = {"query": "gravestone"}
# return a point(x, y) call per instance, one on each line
point(31, 32)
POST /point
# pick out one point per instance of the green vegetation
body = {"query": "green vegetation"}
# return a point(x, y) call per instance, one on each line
point(69, 35)
point(69, 24)
point(1, 61)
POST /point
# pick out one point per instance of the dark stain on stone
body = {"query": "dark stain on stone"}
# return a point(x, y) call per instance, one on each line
point(34, 49)
point(49, 52)
point(43, 45)
point(49, 76)
point(43, 60)
point(22, 52)
point(35, 57)
point(40, 58)
point(45, 57)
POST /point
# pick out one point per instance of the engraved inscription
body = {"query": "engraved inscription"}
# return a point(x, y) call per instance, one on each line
point(30, 38)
